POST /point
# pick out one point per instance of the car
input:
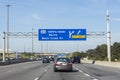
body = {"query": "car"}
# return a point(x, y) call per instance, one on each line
point(51, 59)
point(63, 64)
point(76, 59)
point(45, 60)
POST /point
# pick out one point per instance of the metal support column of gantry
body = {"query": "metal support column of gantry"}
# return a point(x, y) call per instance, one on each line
point(108, 37)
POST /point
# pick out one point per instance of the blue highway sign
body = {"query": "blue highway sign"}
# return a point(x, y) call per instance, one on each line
point(61, 34)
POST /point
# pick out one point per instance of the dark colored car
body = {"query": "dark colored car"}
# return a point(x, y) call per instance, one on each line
point(63, 64)
point(76, 59)
point(45, 60)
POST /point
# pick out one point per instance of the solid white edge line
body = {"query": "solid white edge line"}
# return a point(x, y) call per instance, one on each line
point(36, 78)
point(80, 71)
point(95, 79)
point(87, 74)
point(45, 70)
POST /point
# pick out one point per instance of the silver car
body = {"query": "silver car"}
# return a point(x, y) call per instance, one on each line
point(63, 64)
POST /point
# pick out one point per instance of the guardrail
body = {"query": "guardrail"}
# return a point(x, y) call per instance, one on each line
point(14, 62)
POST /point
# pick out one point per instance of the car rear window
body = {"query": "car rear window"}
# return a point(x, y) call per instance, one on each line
point(45, 59)
point(63, 60)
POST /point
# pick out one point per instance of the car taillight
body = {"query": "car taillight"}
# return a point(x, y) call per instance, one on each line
point(57, 64)
point(70, 64)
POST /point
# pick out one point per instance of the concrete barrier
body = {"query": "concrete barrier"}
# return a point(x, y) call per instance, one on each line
point(103, 63)
point(13, 62)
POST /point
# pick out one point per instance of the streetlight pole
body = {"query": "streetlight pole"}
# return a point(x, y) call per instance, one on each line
point(108, 37)
point(32, 41)
point(8, 28)
point(4, 43)
point(41, 46)
point(46, 47)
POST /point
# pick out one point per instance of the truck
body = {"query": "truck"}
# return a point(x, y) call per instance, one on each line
point(76, 59)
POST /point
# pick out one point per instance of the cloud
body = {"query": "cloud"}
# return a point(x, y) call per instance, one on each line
point(37, 17)
point(116, 19)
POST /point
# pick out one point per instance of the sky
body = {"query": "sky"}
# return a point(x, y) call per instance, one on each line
point(59, 14)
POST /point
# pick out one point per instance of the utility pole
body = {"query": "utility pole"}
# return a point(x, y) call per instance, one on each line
point(108, 37)
point(8, 28)
point(46, 47)
point(41, 47)
point(32, 42)
point(4, 47)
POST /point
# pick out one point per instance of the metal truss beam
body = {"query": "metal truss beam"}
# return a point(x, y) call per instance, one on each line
point(35, 34)
point(22, 34)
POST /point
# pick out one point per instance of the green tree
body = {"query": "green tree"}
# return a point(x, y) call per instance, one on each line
point(99, 53)
point(79, 54)
point(91, 53)
point(116, 51)
point(76, 54)
point(26, 55)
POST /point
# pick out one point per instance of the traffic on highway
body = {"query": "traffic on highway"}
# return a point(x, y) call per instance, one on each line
point(59, 40)
point(37, 70)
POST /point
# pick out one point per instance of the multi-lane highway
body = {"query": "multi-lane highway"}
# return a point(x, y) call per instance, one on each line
point(38, 71)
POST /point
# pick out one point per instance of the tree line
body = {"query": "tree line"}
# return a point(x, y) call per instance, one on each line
point(100, 52)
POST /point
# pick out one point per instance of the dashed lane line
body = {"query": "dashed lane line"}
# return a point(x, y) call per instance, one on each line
point(86, 74)
point(37, 78)
point(95, 79)
point(80, 71)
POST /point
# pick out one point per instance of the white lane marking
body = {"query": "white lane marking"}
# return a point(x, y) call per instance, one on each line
point(87, 75)
point(80, 71)
point(90, 76)
point(36, 78)
point(45, 70)
point(95, 79)
point(9, 71)
point(76, 68)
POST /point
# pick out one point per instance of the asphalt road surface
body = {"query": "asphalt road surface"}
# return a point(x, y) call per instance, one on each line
point(38, 71)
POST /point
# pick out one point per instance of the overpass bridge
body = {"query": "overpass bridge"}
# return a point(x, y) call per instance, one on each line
point(48, 54)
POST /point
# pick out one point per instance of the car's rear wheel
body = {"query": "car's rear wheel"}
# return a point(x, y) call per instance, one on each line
point(71, 69)
point(55, 70)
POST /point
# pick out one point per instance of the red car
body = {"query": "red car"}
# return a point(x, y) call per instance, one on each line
point(63, 64)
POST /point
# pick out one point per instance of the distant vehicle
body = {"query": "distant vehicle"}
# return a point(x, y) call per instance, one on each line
point(51, 58)
point(7, 59)
point(76, 59)
point(63, 64)
point(40, 58)
point(45, 60)
point(61, 55)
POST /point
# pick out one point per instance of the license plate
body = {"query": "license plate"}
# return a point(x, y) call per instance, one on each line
point(64, 64)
